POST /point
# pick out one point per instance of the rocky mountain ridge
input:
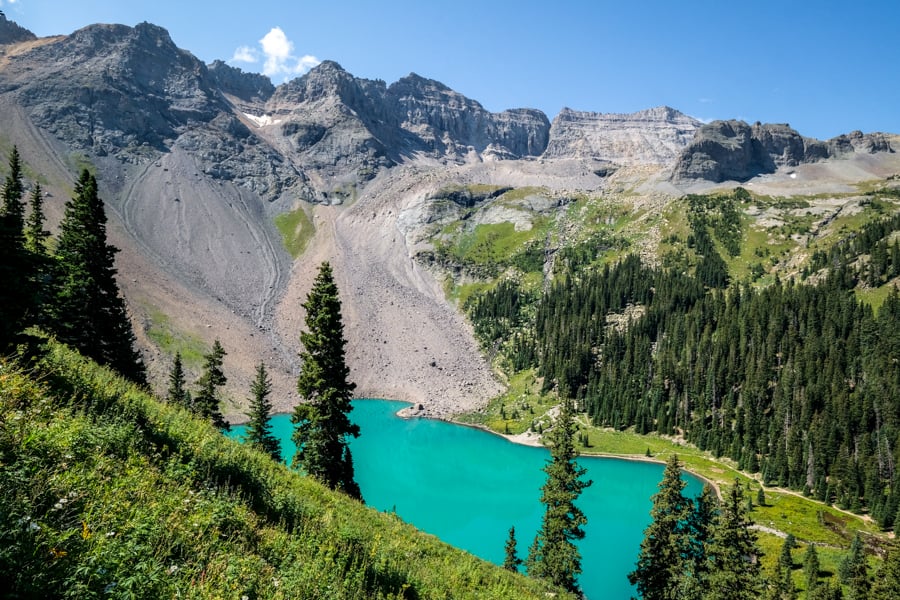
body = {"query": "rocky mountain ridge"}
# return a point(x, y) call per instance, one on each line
point(652, 136)
point(735, 151)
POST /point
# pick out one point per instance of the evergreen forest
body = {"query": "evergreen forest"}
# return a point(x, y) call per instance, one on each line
point(796, 380)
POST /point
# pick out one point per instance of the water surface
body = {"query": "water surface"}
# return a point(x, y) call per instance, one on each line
point(468, 487)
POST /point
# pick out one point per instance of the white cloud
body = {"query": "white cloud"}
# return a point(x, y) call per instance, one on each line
point(278, 56)
point(245, 54)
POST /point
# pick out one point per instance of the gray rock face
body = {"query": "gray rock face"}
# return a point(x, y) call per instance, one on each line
point(12, 33)
point(248, 87)
point(131, 93)
point(445, 122)
point(109, 87)
point(653, 136)
point(734, 150)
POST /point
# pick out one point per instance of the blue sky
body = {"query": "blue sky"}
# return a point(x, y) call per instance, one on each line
point(825, 67)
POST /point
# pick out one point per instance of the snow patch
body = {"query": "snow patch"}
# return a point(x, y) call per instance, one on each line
point(262, 120)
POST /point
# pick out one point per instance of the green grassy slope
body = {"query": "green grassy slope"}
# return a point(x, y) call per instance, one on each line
point(106, 492)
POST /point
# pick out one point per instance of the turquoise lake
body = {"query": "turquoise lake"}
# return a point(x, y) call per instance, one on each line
point(467, 487)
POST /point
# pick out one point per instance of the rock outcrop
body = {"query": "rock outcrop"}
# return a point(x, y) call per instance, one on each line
point(12, 33)
point(653, 136)
point(445, 122)
point(251, 88)
point(735, 151)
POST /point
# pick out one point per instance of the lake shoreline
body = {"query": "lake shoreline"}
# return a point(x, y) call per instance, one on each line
point(523, 439)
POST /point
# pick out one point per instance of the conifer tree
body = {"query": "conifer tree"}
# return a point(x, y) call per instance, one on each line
point(734, 571)
point(661, 564)
point(553, 555)
point(35, 234)
point(512, 561)
point(15, 296)
point(783, 583)
point(887, 579)
point(87, 311)
point(321, 422)
point(699, 532)
point(853, 571)
point(177, 393)
point(811, 568)
point(206, 400)
point(13, 190)
point(259, 431)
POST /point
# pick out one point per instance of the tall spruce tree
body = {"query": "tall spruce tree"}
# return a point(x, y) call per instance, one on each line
point(177, 393)
point(206, 400)
point(321, 422)
point(87, 310)
point(259, 431)
point(13, 190)
point(15, 291)
point(35, 234)
point(511, 559)
point(662, 561)
point(734, 571)
point(553, 555)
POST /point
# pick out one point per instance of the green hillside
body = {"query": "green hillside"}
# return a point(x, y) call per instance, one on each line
point(106, 492)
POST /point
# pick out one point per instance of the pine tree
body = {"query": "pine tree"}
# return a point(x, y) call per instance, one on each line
point(13, 190)
point(259, 431)
point(15, 292)
point(177, 393)
point(661, 564)
point(553, 555)
point(35, 234)
point(321, 422)
point(783, 583)
point(206, 400)
point(699, 535)
point(87, 311)
point(853, 571)
point(811, 568)
point(734, 571)
point(512, 561)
